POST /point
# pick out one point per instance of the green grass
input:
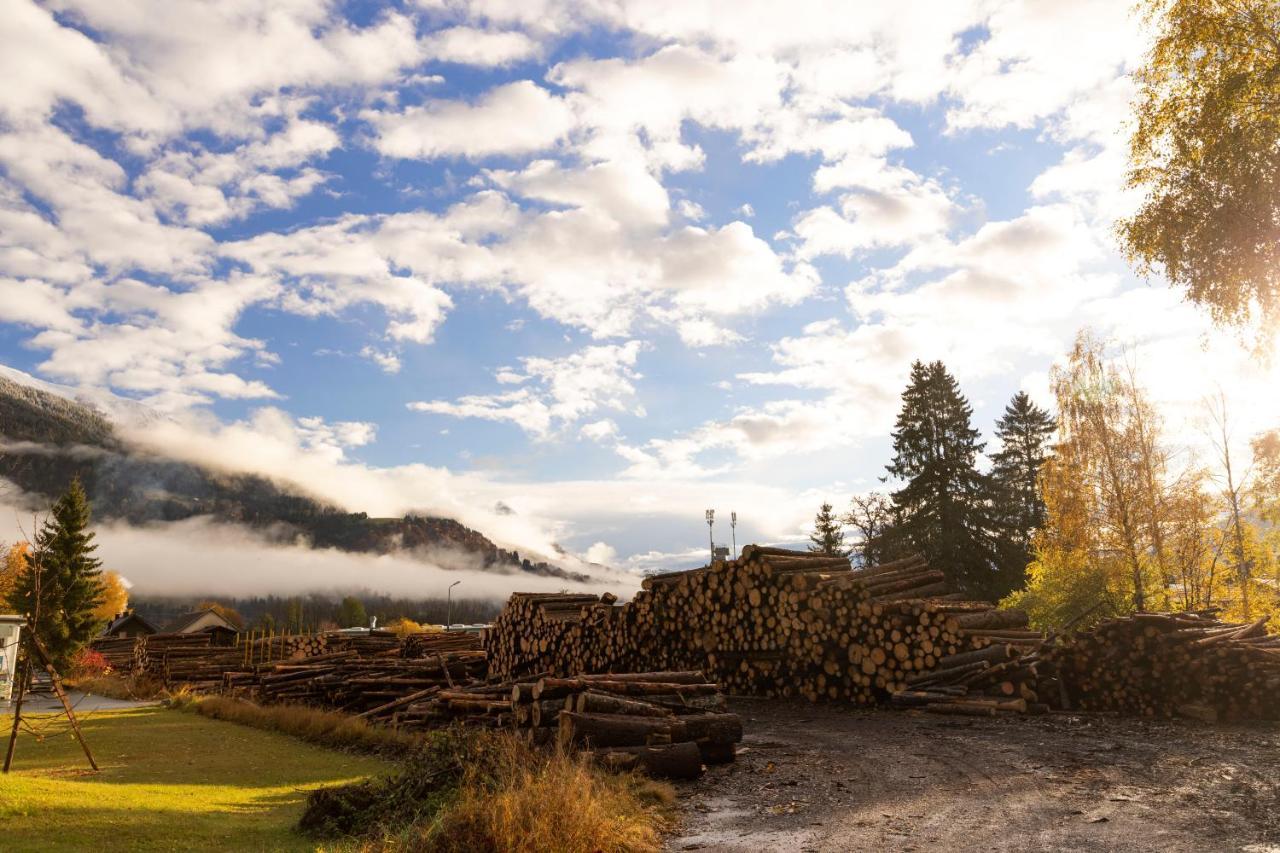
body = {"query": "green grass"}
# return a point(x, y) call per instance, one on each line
point(169, 781)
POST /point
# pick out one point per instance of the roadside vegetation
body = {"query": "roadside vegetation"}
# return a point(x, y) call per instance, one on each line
point(331, 729)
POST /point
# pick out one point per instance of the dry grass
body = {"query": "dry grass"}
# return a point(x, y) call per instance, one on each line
point(326, 728)
point(139, 687)
point(550, 801)
point(493, 791)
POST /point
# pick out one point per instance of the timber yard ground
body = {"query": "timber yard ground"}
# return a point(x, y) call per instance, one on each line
point(807, 778)
point(819, 778)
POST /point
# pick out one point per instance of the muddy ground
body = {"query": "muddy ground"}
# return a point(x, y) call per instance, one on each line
point(812, 778)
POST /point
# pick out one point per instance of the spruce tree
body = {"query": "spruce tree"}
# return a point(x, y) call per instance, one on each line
point(1025, 431)
point(942, 504)
point(827, 536)
point(63, 583)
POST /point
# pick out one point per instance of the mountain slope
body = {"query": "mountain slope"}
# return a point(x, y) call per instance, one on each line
point(47, 439)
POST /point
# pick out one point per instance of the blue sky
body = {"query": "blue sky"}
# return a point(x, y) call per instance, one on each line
point(604, 263)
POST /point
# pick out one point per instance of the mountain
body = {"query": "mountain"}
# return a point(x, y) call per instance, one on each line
point(49, 437)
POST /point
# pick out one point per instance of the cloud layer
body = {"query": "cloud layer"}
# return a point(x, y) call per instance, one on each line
point(717, 234)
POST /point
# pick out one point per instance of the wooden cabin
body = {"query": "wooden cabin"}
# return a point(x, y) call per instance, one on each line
point(128, 624)
point(205, 622)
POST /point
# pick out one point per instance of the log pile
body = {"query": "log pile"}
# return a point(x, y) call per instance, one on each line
point(346, 681)
point(774, 622)
point(997, 679)
point(667, 723)
point(1167, 664)
point(120, 653)
point(152, 655)
point(431, 642)
point(284, 646)
point(366, 644)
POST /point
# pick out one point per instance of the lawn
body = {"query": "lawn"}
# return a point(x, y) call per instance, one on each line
point(169, 781)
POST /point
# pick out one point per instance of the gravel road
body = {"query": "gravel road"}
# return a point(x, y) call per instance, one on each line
point(813, 778)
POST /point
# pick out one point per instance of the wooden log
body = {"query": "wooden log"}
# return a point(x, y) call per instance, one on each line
point(592, 702)
point(993, 619)
point(669, 761)
point(606, 730)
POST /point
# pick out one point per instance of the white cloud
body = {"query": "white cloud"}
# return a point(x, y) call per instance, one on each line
point(388, 362)
point(691, 210)
point(601, 552)
point(517, 118)
point(560, 391)
point(201, 187)
point(601, 430)
point(471, 46)
point(1039, 58)
point(622, 190)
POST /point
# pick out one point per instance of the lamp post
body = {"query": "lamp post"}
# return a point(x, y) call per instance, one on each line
point(733, 526)
point(450, 610)
point(711, 519)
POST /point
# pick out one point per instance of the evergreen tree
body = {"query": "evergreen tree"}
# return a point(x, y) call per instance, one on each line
point(942, 506)
point(1018, 506)
point(62, 585)
point(1024, 434)
point(351, 613)
point(827, 536)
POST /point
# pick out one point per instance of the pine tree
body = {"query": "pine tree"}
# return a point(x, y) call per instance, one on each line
point(942, 504)
point(63, 583)
point(1018, 506)
point(827, 536)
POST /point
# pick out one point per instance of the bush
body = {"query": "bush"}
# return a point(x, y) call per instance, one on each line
point(89, 664)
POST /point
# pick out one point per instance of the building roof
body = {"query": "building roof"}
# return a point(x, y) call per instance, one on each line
point(125, 618)
point(184, 622)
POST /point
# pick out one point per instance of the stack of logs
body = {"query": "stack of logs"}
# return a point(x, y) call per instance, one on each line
point(668, 723)
point(774, 622)
point(151, 656)
point(347, 681)
point(119, 652)
point(1166, 664)
point(1000, 678)
point(429, 643)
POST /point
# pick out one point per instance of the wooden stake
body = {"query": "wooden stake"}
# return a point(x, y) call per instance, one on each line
point(23, 680)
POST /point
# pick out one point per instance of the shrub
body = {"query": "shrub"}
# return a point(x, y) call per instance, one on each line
point(89, 664)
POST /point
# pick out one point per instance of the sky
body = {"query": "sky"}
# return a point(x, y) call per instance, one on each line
point(573, 272)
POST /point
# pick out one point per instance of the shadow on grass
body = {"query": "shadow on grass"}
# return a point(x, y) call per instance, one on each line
point(157, 746)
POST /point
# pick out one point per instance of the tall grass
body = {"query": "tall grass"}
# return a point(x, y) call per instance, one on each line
point(493, 791)
point(114, 686)
point(533, 802)
point(325, 728)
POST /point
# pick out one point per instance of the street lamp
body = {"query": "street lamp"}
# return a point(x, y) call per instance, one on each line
point(733, 526)
point(711, 519)
point(450, 611)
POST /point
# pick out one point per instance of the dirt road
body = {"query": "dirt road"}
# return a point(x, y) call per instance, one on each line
point(812, 778)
